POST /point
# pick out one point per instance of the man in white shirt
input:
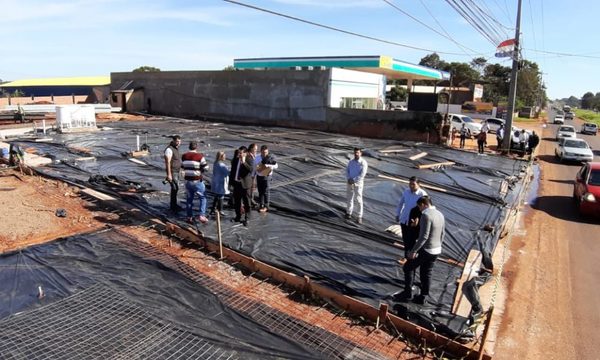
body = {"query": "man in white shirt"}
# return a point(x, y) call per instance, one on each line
point(355, 174)
point(407, 202)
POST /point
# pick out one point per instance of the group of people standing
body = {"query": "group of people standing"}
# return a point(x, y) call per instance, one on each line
point(248, 171)
point(422, 224)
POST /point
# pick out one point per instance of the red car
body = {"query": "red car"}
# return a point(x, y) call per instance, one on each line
point(586, 190)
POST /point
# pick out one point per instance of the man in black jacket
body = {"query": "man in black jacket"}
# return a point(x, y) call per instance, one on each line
point(240, 177)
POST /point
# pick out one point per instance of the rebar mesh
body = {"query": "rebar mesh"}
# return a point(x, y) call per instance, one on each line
point(316, 338)
point(99, 323)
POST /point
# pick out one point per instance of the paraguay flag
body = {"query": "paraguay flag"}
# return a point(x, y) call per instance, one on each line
point(506, 48)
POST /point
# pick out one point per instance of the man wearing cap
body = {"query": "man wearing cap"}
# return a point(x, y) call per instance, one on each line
point(173, 166)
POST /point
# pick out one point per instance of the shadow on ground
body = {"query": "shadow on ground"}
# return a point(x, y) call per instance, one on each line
point(561, 207)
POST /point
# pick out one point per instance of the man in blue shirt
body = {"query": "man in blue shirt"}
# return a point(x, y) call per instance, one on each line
point(355, 174)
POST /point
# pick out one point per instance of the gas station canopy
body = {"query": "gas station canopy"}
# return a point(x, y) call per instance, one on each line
point(378, 64)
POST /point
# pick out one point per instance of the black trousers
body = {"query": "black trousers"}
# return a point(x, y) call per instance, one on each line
point(264, 190)
point(424, 261)
point(480, 145)
point(174, 189)
point(462, 141)
point(408, 237)
point(217, 204)
point(241, 195)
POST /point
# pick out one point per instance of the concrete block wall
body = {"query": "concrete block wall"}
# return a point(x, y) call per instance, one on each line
point(289, 98)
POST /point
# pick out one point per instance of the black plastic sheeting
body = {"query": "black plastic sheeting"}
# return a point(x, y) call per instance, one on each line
point(67, 267)
point(305, 232)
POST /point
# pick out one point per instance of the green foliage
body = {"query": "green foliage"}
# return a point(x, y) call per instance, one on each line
point(588, 115)
point(587, 100)
point(495, 79)
point(146, 68)
point(398, 93)
point(229, 68)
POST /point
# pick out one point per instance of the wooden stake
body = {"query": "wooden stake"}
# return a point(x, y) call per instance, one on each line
point(383, 312)
point(219, 233)
point(485, 332)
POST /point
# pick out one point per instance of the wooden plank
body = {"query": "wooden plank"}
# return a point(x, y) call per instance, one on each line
point(98, 195)
point(46, 139)
point(137, 161)
point(428, 166)
point(418, 156)
point(461, 305)
point(431, 187)
point(139, 153)
point(386, 151)
point(87, 158)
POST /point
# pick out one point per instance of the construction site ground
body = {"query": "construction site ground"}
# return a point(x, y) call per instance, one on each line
point(30, 203)
point(29, 206)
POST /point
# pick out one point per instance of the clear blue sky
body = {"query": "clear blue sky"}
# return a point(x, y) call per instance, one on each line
point(96, 37)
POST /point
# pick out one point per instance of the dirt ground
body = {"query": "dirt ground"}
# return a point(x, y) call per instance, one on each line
point(29, 205)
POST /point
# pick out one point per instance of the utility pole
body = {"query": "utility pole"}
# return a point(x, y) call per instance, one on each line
point(512, 92)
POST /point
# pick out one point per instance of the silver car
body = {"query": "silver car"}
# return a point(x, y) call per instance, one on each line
point(573, 149)
point(566, 131)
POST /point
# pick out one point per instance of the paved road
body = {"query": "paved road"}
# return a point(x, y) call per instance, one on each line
point(553, 305)
point(582, 236)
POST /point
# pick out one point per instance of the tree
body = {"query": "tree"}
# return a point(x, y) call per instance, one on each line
point(496, 81)
point(587, 100)
point(462, 74)
point(398, 93)
point(478, 64)
point(229, 68)
point(433, 61)
point(529, 83)
point(146, 68)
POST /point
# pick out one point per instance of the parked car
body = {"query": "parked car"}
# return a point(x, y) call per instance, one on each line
point(573, 149)
point(494, 124)
point(559, 119)
point(586, 189)
point(589, 128)
point(457, 120)
point(566, 131)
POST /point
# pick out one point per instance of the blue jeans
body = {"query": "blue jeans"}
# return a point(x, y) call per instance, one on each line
point(194, 188)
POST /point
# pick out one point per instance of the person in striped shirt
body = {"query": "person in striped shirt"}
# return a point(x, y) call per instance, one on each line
point(194, 165)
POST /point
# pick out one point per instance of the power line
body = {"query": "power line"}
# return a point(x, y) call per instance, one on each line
point(338, 29)
point(463, 10)
point(566, 54)
point(446, 35)
point(532, 25)
point(478, 13)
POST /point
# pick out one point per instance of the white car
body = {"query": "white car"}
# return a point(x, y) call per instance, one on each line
point(573, 149)
point(559, 119)
point(494, 124)
point(589, 128)
point(566, 131)
point(457, 120)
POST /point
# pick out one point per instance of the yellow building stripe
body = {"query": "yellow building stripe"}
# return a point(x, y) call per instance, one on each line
point(66, 81)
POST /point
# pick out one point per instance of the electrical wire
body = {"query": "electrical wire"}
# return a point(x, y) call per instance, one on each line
point(347, 32)
point(464, 12)
point(446, 35)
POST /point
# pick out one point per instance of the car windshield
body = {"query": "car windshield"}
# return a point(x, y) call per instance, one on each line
point(576, 144)
point(594, 178)
point(467, 119)
point(567, 129)
point(590, 125)
point(559, 116)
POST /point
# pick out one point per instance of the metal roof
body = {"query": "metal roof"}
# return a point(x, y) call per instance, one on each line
point(66, 81)
point(378, 64)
